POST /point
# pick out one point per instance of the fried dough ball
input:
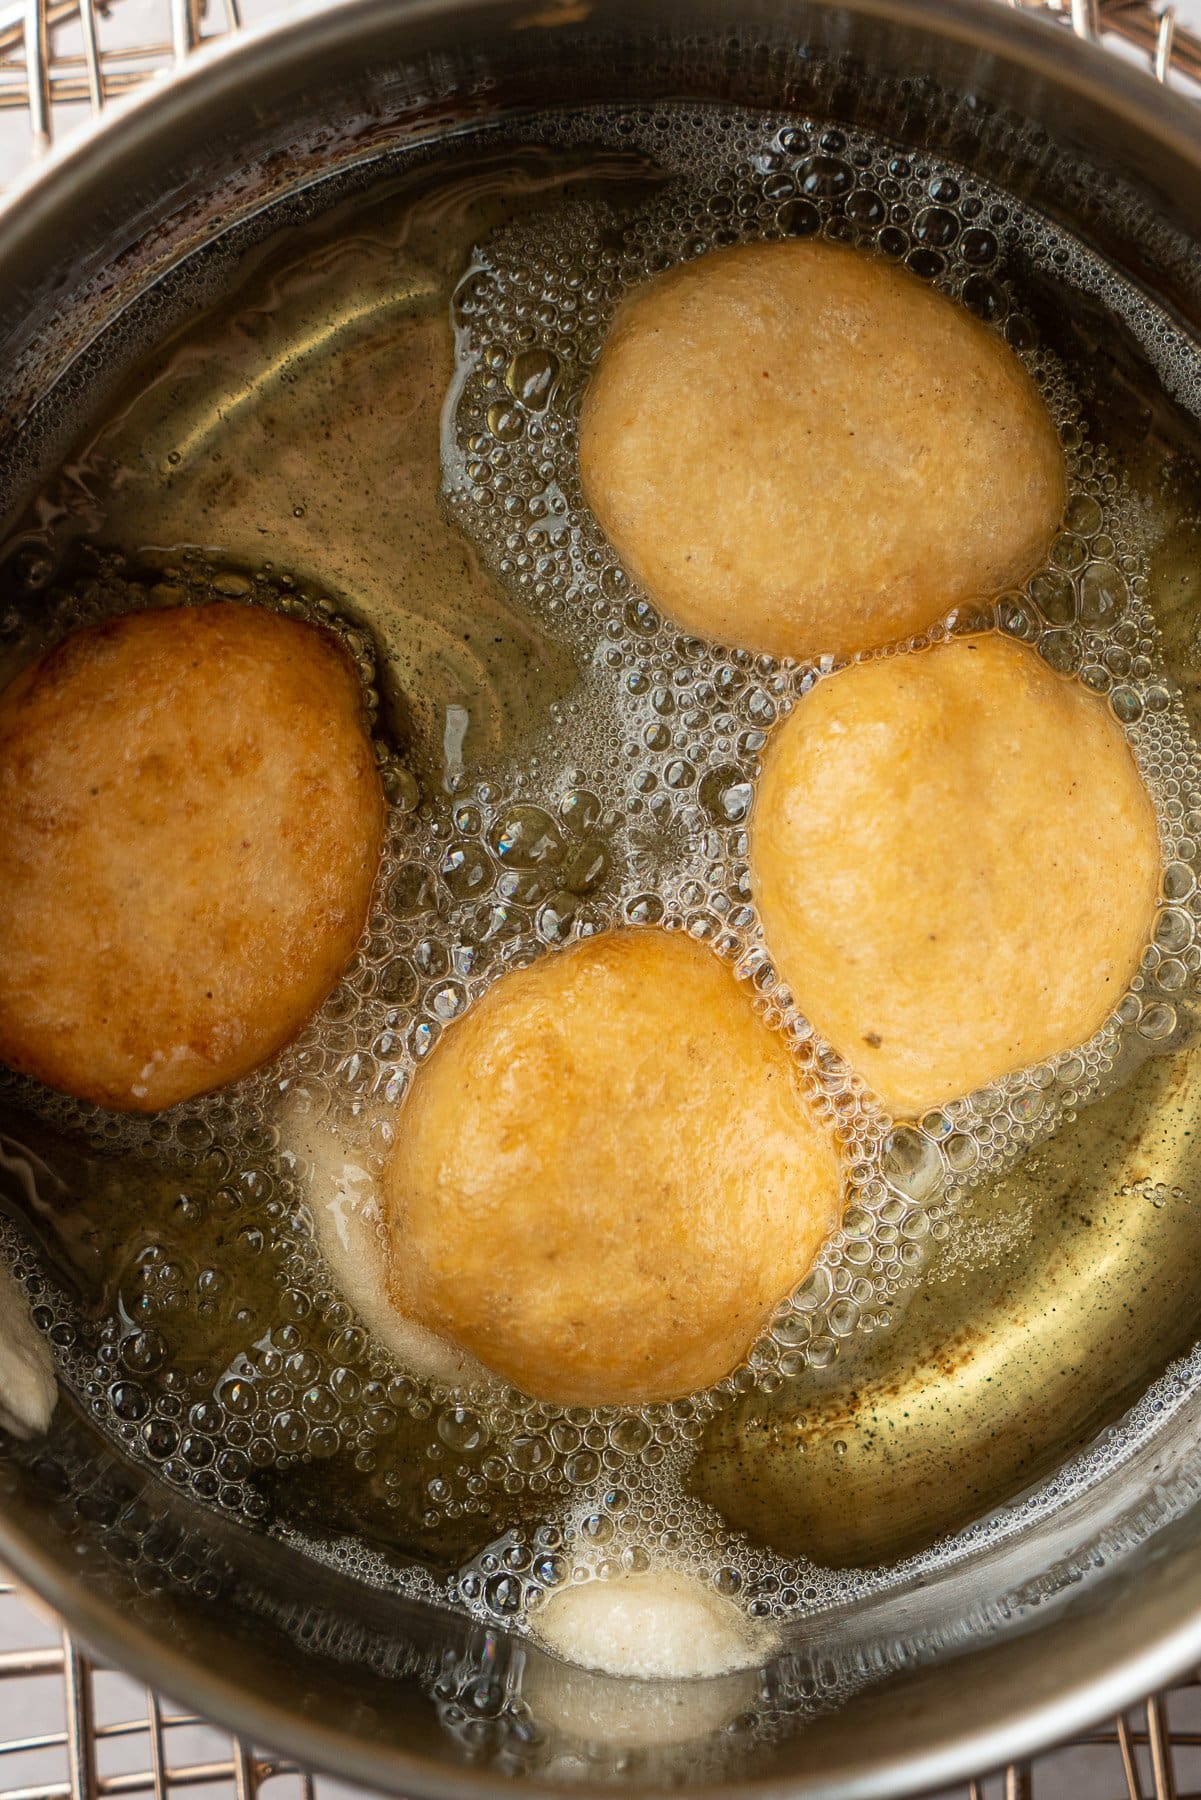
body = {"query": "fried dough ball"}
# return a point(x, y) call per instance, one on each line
point(339, 1180)
point(657, 1625)
point(643, 1660)
point(593, 1709)
point(190, 826)
point(800, 449)
point(956, 865)
point(606, 1175)
point(28, 1388)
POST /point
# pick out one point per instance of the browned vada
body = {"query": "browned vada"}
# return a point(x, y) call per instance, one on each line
point(802, 449)
point(956, 864)
point(190, 825)
point(607, 1174)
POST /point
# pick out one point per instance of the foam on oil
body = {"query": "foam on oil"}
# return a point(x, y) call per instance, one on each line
point(221, 1335)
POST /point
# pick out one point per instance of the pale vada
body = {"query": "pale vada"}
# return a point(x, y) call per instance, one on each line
point(956, 864)
point(659, 1624)
point(801, 449)
point(28, 1388)
point(607, 1174)
point(679, 1656)
point(191, 819)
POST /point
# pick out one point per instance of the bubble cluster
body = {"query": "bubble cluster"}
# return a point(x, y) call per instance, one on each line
point(218, 1349)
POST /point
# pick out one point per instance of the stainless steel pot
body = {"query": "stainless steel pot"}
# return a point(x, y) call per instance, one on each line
point(1071, 1610)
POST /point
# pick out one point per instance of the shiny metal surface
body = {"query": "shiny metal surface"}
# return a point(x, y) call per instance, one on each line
point(1013, 1351)
point(140, 1745)
point(90, 68)
point(335, 87)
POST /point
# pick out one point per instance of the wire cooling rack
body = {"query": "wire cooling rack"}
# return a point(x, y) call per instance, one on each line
point(71, 1729)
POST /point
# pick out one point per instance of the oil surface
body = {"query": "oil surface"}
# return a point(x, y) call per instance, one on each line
point(377, 429)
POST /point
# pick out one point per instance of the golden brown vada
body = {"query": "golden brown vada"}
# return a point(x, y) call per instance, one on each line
point(956, 865)
point(607, 1174)
point(802, 449)
point(190, 826)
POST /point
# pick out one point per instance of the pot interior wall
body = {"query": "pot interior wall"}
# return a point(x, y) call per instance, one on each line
point(1029, 1633)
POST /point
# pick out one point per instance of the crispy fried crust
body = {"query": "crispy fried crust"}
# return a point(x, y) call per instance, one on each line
point(190, 826)
point(606, 1175)
point(798, 448)
point(956, 864)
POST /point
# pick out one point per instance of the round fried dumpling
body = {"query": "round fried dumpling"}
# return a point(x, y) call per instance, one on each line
point(190, 825)
point(801, 449)
point(642, 1660)
point(607, 1174)
point(956, 865)
point(657, 1625)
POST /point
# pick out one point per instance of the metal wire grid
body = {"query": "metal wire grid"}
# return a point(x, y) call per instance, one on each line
point(92, 1733)
point(1155, 33)
point(60, 59)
